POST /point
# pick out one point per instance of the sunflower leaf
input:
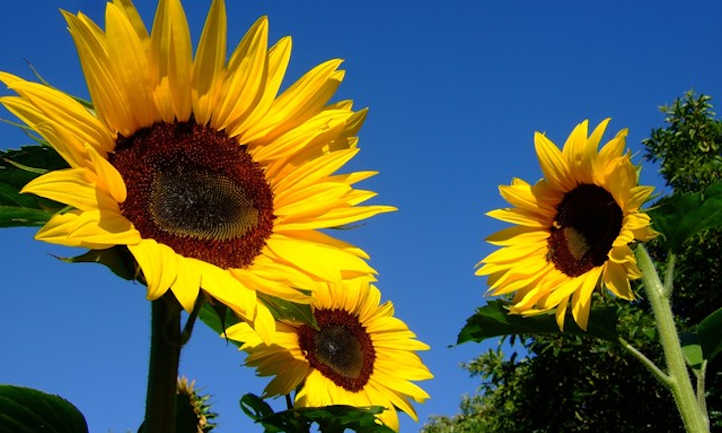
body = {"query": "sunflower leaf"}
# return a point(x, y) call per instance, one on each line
point(16, 216)
point(680, 216)
point(493, 320)
point(709, 332)
point(26, 410)
point(691, 349)
point(17, 168)
point(218, 317)
point(330, 419)
point(286, 310)
point(118, 259)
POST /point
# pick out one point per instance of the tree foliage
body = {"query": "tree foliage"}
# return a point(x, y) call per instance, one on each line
point(575, 383)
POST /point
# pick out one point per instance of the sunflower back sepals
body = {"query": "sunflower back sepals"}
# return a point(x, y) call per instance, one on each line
point(117, 259)
point(194, 414)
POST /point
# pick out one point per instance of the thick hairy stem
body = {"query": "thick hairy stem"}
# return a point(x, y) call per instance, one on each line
point(680, 385)
point(165, 346)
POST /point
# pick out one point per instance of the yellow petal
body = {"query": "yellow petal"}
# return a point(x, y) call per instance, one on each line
point(264, 323)
point(127, 7)
point(276, 63)
point(561, 312)
point(335, 218)
point(173, 52)
point(243, 332)
point(517, 235)
point(73, 187)
point(62, 110)
point(314, 199)
point(615, 279)
point(321, 238)
point(520, 217)
point(313, 170)
point(130, 63)
point(299, 102)
point(107, 176)
point(582, 299)
point(521, 196)
point(245, 83)
point(187, 283)
point(636, 221)
point(552, 163)
point(613, 149)
point(639, 195)
point(316, 259)
point(159, 264)
point(220, 284)
point(621, 254)
point(64, 143)
point(208, 63)
point(596, 137)
point(515, 253)
point(578, 154)
point(91, 229)
point(327, 121)
point(109, 97)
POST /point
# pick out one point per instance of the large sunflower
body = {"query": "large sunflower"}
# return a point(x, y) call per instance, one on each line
point(573, 227)
point(360, 355)
point(195, 164)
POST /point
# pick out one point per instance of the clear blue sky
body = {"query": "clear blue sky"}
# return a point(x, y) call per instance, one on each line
point(455, 90)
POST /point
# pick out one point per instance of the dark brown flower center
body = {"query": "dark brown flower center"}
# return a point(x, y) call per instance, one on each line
point(196, 190)
point(587, 222)
point(340, 349)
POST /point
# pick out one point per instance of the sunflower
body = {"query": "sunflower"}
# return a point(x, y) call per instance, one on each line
point(360, 355)
point(573, 227)
point(195, 164)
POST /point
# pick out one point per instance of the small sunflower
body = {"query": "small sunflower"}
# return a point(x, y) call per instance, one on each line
point(195, 164)
point(573, 227)
point(360, 355)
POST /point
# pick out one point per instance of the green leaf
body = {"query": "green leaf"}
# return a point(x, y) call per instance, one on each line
point(26, 410)
point(680, 216)
point(330, 419)
point(691, 349)
point(15, 216)
point(17, 168)
point(493, 320)
point(286, 310)
point(33, 159)
point(254, 407)
point(218, 317)
point(709, 332)
point(118, 259)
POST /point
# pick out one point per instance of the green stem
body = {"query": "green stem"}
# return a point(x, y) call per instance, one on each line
point(680, 385)
point(651, 366)
point(669, 275)
point(165, 345)
point(701, 373)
